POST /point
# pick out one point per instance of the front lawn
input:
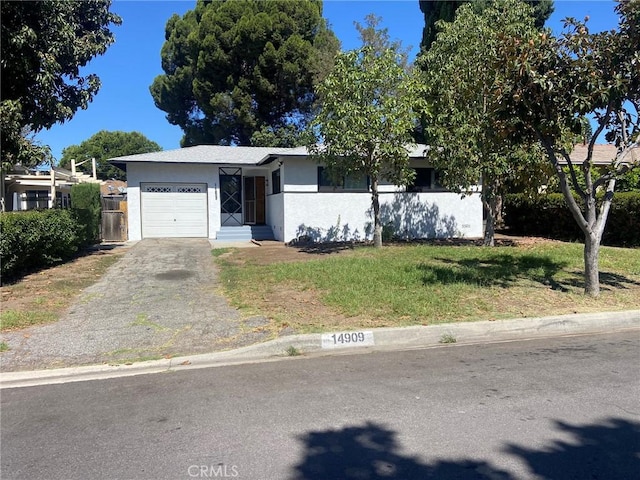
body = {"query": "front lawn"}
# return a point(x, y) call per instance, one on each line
point(402, 285)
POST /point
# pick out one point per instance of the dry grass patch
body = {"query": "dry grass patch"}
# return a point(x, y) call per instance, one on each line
point(42, 297)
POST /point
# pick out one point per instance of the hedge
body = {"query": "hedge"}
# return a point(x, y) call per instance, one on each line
point(549, 216)
point(35, 239)
point(86, 206)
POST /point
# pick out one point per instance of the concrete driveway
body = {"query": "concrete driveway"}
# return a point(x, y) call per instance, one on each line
point(161, 299)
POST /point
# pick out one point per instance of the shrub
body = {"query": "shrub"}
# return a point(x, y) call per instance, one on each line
point(623, 225)
point(85, 205)
point(35, 239)
point(549, 216)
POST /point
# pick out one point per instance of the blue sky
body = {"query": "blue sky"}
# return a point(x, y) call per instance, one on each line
point(129, 66)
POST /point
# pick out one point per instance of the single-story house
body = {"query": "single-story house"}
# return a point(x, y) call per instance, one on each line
point(225, 192)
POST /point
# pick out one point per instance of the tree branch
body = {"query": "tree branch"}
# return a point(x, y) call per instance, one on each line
point(572, 172)
point(574, 208)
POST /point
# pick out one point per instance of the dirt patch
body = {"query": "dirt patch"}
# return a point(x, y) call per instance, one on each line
point(51, 291)
point(276, 252)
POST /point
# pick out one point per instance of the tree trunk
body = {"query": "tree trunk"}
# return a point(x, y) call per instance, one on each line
point(591, 269)
point(491, 203)
point(489, 228)
point(499, 217)
point(377, 224)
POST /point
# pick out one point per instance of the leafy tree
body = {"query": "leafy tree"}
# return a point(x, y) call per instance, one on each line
point(460, 83)
point(445, 10)
point(367, 114)
point(242, 72)
point(550, 82)
point(105, 145)
point(44, 44)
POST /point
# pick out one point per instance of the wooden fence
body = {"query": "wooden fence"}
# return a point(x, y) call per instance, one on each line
point(114, 218)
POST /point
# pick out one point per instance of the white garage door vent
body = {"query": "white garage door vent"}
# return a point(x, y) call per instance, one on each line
point(177, 188)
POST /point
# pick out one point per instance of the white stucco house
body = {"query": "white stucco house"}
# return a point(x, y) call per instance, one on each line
point(224, 192)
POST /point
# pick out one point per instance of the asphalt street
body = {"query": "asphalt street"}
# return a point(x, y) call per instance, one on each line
point(555, 408)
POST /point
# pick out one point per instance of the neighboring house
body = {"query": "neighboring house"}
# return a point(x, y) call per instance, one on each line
point(113, 188)
point(222, 192)
point(603, 155)
point(29, 189)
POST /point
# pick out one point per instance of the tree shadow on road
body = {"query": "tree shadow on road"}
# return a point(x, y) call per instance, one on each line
point(606, 450)
point(609, 449)
point(371, 452)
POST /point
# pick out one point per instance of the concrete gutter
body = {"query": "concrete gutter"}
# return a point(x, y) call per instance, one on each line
point(403, 338)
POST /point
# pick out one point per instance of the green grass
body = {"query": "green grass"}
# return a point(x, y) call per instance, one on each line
point(292, 351)
point(142, 320)
point(420, 284)
point(216, 252)
point(448, 338)
point(13, 319)
point(4, 346)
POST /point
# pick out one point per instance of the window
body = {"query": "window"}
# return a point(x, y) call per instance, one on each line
point(37, 199)
point(348, 183)
point(276, 186)
point(426, 179)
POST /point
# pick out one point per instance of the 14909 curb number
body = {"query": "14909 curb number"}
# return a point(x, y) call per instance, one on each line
point(347, 339)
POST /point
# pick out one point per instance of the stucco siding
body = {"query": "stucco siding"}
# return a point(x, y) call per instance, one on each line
point(299, 175)
point(275, 215)
point(348, 216)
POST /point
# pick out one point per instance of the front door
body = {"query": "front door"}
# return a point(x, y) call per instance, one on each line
point(231, 196)
point(254, 200)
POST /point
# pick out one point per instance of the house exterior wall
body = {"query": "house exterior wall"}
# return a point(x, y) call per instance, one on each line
point(275, 215)
point(343, 215)
point(301, 210)
point(348, 216)
point(138, 173)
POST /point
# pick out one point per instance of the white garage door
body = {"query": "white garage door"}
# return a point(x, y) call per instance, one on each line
point(173, 210)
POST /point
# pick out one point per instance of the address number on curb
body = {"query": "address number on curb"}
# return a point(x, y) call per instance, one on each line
point(347, 339)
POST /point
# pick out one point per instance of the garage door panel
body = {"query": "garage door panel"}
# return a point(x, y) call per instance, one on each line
point(174, 210)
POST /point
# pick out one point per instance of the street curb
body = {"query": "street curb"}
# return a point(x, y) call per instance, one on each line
point(401, 338)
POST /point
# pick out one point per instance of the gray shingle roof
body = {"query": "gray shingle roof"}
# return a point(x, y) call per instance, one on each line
point(217, 154)
point(204, 154)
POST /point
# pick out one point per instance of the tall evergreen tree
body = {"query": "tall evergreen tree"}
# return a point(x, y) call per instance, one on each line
point(243, 72)
point(445, 10)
